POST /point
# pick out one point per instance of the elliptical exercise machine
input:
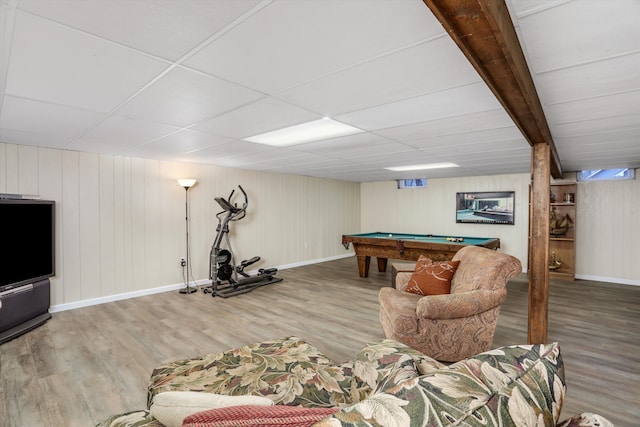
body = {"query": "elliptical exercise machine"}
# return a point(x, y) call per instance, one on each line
point(228, 279)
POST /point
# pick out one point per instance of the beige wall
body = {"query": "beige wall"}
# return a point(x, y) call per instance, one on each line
point(121, 220)
point(607, 225)
point(432, 210)
point(608, 231)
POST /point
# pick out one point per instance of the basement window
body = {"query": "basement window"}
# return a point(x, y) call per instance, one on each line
point(412, 183)
point(606, 174)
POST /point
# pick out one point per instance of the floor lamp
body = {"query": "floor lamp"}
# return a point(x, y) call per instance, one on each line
point(187, 184)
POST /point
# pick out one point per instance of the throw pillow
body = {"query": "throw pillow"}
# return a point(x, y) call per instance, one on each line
point(259, 416)
point(431, 278)
point(171, 407)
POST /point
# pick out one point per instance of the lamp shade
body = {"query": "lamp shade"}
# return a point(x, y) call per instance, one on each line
point(187, 182)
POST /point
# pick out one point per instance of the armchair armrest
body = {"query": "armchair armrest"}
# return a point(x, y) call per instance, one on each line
point(457, 305)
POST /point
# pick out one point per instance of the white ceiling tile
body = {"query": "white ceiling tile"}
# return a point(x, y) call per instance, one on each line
point(358, 152)
point(606, 141)
point(501, 137)
point(56, 64)
point(596, 126)
point(622, 104)
point(301, 163)
point(24, 121)
point(581, 31)
point(166, 28)
point(611, 76)
point(291, 42)
point(358, 141)
point(229, 162)
point(230, 149)
point(521, 8)
point(407, 157)
point(384, 66)
point(469, 151)
point(489, 157)
point(413, 71)
point(261, 116)
point(273, 155)
point(184, 97)
point(466, 123)
point(119, 135)
point(179, 143)
point(447, 103)
point(602, 157)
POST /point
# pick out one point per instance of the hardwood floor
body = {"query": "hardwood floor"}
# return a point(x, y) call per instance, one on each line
point(86, 364)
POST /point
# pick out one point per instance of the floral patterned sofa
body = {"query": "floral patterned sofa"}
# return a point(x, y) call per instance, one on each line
point(387, 384)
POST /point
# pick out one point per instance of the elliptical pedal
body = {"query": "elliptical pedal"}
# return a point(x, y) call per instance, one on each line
point(230, 292)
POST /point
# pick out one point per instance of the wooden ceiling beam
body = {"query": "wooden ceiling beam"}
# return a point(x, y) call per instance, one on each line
point(483, 30)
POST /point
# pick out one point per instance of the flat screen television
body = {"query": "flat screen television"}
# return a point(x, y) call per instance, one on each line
point(27, 252)
point(485, 207)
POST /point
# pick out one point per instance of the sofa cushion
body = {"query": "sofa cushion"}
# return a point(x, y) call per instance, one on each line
point(171, 407)
point(289, 371)
point(258, 416)
point(376, 360)
point(517, 385)
point(431, 278)
point(403, 374)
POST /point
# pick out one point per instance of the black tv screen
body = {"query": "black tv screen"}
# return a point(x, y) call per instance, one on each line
point(27, 252)
point(486, 207)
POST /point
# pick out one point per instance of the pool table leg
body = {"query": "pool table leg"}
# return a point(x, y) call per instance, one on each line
point(364, 262)
point(363, 265)
point(382, 264)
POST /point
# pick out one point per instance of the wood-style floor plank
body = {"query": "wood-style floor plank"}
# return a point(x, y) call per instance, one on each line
point(86, 364)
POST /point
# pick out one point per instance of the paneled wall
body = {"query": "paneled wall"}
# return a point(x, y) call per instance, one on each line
point(121, 227)
point(432, 210)
point(121, 220)
point(608, 231)
point(607, 219)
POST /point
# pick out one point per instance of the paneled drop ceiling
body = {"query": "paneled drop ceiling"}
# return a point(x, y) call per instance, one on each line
point(188, 80)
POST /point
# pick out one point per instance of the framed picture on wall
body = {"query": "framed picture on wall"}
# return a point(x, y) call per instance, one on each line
point(486, 207)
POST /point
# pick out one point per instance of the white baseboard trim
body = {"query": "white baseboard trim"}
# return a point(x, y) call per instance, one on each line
point(315, 261)
point(604, 279)
point(118, 297)
point(608, 279)
point(168, 288)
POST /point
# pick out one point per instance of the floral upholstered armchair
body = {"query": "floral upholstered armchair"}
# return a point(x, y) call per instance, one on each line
point(456, 325)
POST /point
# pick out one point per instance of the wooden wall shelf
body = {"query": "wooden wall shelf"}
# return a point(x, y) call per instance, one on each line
point(563, 246)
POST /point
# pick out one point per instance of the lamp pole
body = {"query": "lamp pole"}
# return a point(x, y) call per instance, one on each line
point(187, 184)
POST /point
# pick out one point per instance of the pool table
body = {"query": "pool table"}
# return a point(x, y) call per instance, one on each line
point(408, 247)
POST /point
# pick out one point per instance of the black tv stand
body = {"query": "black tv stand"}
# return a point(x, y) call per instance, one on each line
point(23, 309)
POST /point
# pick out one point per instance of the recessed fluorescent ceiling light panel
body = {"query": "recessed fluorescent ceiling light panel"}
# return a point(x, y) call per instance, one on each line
point(306, 132)
point(423, 167)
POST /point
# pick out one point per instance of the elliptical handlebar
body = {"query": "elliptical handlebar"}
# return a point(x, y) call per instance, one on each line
point(246, 198)
point(235, 213)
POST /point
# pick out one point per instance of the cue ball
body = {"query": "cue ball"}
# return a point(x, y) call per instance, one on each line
point(390, 235)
